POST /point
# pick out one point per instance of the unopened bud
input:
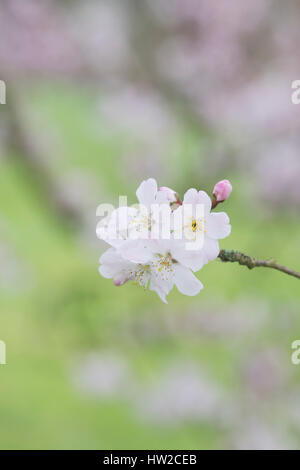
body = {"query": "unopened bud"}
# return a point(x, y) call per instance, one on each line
point(118, 281)
point(222, 190)
point(171, 195)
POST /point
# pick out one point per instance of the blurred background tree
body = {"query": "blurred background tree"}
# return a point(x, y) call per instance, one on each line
point(100, 95)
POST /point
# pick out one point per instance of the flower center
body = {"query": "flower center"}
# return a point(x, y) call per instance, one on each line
point(194, 226)
point(163, 266)
point(141, 275)
point(143, 222)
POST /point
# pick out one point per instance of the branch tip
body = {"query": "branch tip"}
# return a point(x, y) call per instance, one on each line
point(234, 256)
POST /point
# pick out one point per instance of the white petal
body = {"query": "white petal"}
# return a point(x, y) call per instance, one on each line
point(115, 243)
point(154, 286)
point(162, 198)
point(136, 251)
point(194, 260)
point(107, 271)
point(110, 256)
point(146, 192)
point(190, 196)
point(204, 199)
point(186, 282)
point(211, 249)
point(112, 263)
point(217, 225)
point(161, 247)
point(194, 197)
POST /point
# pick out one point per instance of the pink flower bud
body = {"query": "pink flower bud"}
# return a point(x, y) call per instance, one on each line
point(119, 281)
point(222, 190)
point(171, 195)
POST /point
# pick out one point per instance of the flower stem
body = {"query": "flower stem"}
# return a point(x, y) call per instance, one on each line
point(233, 256)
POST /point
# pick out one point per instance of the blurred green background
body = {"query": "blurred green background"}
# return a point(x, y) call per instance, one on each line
point(93, 366)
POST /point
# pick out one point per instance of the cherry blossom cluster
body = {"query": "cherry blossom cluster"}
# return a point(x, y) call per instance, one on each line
point(162, 241)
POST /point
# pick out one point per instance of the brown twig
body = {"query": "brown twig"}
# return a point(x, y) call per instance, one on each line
point(234, 256)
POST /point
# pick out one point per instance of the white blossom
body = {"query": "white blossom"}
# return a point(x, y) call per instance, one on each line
point(160, 273)
point(156, 245)
point(211, 227)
